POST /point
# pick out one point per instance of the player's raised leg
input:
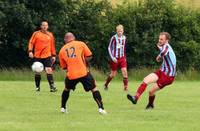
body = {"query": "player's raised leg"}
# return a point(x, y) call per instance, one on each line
point(151, 78)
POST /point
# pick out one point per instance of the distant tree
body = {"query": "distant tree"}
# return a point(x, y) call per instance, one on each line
point(94, 21)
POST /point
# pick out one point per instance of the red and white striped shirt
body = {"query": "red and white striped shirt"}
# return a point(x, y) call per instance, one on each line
point(117, 46)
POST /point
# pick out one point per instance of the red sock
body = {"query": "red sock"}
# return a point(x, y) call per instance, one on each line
point(108, 80)
point(125, 80)
point(140, 90)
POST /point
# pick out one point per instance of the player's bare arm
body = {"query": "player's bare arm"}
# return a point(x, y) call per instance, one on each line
point(158, 58)
point(30, 55)
point(114, 60)
point(88, 58)
point(53, 59)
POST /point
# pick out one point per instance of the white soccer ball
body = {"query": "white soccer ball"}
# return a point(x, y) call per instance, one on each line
point(37, 67)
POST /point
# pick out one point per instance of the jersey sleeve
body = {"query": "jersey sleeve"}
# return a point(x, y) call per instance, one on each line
point(32, 42)
point(164, 50)
point(63, 64)
point(86, 50)
point(110, 46)
point(53, 49)
point(125, 46)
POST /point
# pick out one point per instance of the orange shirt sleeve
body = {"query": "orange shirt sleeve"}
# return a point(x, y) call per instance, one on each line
point(53, 49)
point(32, 41)
point(86, 50)
point(63, 64)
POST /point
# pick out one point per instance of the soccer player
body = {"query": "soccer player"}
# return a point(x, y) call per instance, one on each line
point(42, 48)
point(116, 49)
point(73, 57)
point(162, 77)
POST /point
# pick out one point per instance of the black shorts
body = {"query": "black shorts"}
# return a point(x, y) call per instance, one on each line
point(87, 81)
point(47, 62)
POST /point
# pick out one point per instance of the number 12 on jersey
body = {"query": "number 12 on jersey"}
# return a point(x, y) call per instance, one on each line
point(71, 52)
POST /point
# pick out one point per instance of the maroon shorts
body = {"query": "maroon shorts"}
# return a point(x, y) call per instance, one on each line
point(163, 79)
point(121, 63)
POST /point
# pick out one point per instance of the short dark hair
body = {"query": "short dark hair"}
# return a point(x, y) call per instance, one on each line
point(167, 35)
point(43, 21)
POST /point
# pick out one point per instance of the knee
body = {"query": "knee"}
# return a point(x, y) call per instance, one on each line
point(146, 80)
point(93, 90)
point(112, 75)
point(151, 92)
point(65, 89)
point(124, 73)
point(49, 71)
point(37, 74)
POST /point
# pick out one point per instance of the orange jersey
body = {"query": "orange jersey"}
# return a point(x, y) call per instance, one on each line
point(43, 44)
point(72, 57)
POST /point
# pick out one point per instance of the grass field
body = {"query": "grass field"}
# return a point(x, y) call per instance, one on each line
point(23, 109)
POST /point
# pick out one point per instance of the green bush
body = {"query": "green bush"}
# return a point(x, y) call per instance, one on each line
point(188, 54)
point(94, 21)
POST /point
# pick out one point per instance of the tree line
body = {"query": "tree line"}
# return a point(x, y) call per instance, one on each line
point(94, 22)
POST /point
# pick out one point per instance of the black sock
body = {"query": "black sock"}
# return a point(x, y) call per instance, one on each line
point(151, 99)
point(37, 80)
point(98, 99)
point(50, 80)
point(65, 96)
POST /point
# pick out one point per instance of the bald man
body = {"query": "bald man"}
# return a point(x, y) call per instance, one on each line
point(73, 57)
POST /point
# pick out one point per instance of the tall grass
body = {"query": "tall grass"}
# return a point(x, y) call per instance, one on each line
point(26, 74)
point(59, 75)
point(193, 4)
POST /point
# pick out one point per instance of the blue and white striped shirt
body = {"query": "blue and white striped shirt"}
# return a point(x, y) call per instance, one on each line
point(169, 60)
